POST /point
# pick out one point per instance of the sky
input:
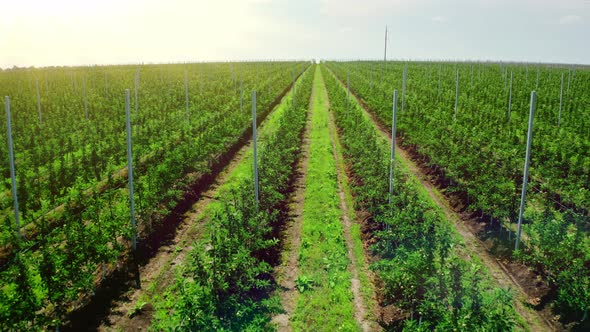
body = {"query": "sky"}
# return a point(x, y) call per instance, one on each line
point(77, 32)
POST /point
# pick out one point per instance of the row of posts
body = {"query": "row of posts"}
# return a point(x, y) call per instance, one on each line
point(254, 135)
point(129, 147)
point(505, 74)
point(528, 144)
point(456, 108)
point(85, 98)
point(129, 153)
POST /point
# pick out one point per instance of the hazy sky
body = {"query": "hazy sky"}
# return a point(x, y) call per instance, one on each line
point(74, 32)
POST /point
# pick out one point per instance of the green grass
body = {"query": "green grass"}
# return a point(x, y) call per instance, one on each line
point(326, 302)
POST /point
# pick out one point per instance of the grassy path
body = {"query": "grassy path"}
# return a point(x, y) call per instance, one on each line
point(329, 279)
point(474, 248)
point(362, 279)
point(288, 270)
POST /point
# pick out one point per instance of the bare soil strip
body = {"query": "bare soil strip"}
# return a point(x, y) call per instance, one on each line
point(288, 271)
point(498, 269)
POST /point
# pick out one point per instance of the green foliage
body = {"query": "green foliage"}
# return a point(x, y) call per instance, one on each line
point(72, 181)
point(303, 283)
point(225, 283)
point(20, 298)
point(138, 307)
point(420, 270)
point(559, 244)
point(480, 152)
point(222, 281)
point(326, 300)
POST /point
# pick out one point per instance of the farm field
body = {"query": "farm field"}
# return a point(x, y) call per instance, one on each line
point(476, 155)
point(73, 196)
point(327, 232)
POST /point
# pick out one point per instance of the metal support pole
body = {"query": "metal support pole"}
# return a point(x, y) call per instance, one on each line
point(39, 103)
point(526, 167)
point(254, 142)
point(186, 96)
point(391, 161)
point(456, 94)
point(393, 129)
point(404, 87)
point(12, 171)
point(130, 171)
point(510, 97)
point(560, 102)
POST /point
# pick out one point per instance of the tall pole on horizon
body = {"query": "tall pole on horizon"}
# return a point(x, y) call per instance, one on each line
point(385, 55)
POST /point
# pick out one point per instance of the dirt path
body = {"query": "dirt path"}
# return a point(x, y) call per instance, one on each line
point(361, 312)
point(288, 271)
point(321, 236)
point(475, 247)
point(159, 272)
